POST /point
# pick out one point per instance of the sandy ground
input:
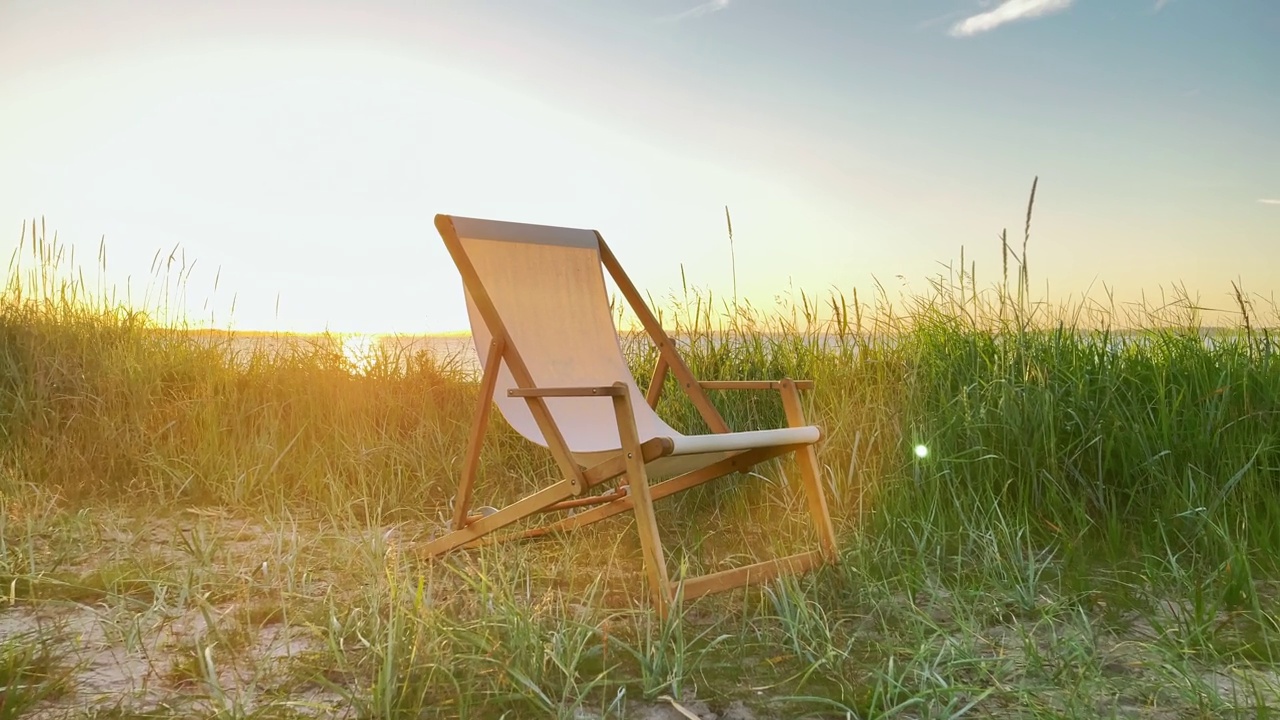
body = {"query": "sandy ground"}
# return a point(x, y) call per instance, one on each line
point(236, 652)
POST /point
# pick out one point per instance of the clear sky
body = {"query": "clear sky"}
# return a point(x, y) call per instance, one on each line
point(301, 149)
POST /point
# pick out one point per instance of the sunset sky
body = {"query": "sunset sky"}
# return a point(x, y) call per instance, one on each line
point(303, 148)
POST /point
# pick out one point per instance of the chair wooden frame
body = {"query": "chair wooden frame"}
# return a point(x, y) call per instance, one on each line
point(635, 494)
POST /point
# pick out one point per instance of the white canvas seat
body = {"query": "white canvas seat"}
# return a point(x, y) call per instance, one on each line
point(544, 330)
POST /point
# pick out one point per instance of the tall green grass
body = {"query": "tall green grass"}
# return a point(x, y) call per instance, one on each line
point(1099, 493)
point(1077, 423)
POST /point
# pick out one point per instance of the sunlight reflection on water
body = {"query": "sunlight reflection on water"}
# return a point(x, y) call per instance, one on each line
point(361, 351)
point(358, 352)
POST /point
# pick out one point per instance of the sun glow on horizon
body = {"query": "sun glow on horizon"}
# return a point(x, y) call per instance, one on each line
point(303, 177)
point(273, 132)
point(361, 351)
point(299, 157)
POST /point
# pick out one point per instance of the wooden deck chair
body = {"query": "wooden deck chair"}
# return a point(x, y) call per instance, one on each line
point(551, 362)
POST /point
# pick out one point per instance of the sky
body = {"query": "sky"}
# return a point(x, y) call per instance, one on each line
point(297, 152)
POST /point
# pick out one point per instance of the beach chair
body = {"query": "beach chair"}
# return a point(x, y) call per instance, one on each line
point(551, 362)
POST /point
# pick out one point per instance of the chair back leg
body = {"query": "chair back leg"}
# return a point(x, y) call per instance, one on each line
point(807, 459)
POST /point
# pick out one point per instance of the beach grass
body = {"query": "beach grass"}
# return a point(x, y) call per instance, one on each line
point(195, 526)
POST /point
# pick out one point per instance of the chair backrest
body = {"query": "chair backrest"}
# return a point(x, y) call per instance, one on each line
point(547, 289)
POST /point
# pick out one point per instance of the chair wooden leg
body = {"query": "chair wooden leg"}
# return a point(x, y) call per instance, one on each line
point(807, 459)
point(471, 461)
point(655, 382)
point(642, 504)
point(640, 498)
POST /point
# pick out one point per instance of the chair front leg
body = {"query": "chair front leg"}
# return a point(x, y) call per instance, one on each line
point(642, 503)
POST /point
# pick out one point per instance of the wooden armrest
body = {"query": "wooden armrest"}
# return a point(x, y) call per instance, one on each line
point(752, 384)
point(603, 391)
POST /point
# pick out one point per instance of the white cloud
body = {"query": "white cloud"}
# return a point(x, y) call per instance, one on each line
point(1160, 5)
point(1006, 12)
point(1269, 201)
point(705, 8)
